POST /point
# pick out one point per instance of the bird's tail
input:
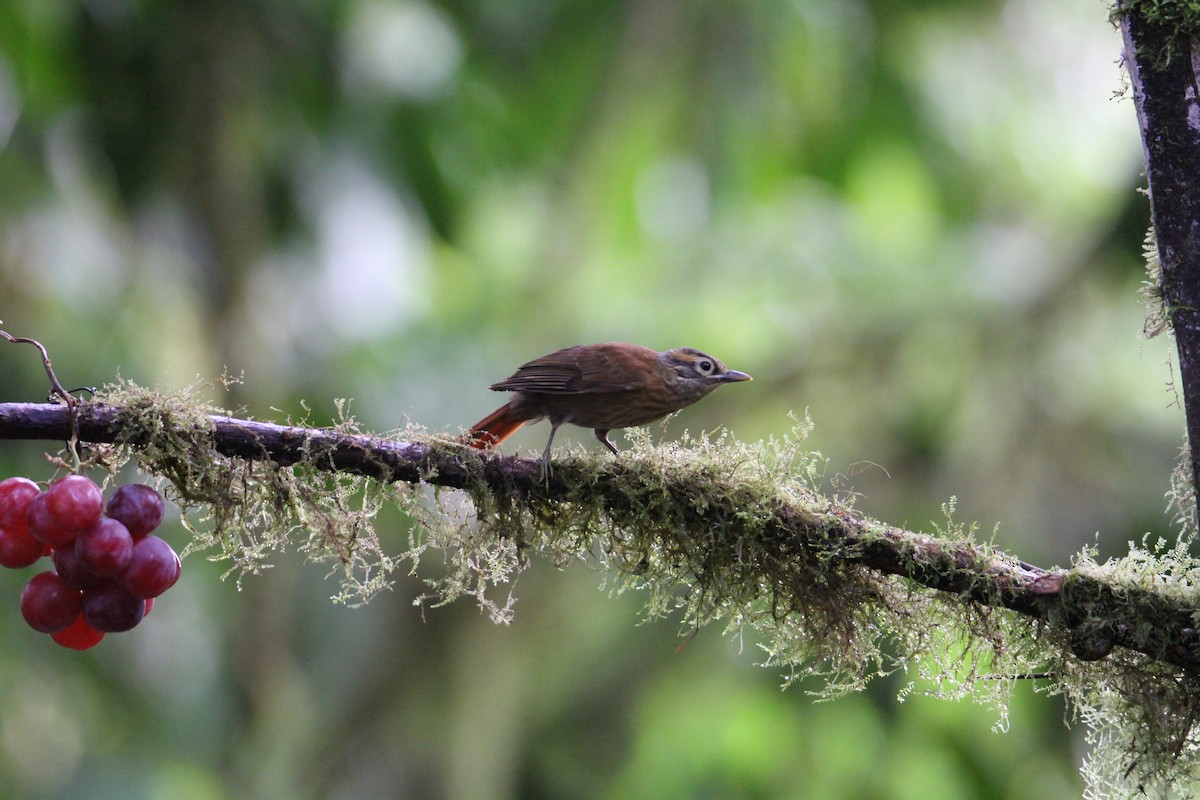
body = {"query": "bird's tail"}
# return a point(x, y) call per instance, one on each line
point(495, 427)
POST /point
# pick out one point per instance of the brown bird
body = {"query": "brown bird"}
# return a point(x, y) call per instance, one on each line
point(603, 387)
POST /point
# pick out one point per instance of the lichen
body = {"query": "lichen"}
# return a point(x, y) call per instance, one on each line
point(245, 511)
point(1140, 712)
point(1158, 317)
point(695, 527)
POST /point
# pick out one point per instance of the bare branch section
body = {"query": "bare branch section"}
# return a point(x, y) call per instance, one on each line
point(1098, 612)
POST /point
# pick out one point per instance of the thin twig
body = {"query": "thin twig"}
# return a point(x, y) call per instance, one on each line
point(56, 390)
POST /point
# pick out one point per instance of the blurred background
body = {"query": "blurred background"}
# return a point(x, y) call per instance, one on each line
point(918, 221)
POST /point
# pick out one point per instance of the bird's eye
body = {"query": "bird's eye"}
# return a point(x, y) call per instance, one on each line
point(705, 366)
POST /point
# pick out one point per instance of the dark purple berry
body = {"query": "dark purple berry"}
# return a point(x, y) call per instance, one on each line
point(105, 547)
point(48, 604)
point(110, 608)
point(73, 571)
point(153, 568)
point(138, 507)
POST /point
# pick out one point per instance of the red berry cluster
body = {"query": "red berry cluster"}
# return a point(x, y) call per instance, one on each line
point(107, 566)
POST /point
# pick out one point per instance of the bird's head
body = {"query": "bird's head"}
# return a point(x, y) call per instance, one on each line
point(693, 374)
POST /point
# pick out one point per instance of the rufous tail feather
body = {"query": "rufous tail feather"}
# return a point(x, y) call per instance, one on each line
point(494, 428)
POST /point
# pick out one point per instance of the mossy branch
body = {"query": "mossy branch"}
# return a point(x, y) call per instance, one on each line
point(713, 530)
point(789, 532)
point(285, 445)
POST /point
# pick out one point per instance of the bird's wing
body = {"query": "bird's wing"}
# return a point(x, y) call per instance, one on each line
point(576, 370)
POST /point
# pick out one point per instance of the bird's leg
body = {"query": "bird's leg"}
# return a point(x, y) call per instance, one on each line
point(546, 453)
point(602, 435)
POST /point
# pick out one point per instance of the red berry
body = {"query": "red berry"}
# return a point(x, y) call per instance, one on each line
point(105, 547)
point(18, 548)
point(111, 609)
point(45, 526)
point(75, 501)
point(153, 568)
point(138, 507)
point(78, 635)
point(73, 571)
point(48, 604)
point(15, 496)
point(17, 544)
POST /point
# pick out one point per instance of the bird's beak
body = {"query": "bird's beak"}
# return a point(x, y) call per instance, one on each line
point(733, 376)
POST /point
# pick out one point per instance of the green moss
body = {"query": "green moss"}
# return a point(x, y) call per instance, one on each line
point(1176, 21)
point(713, 530)
point(245, 511)
point(1182, 16)
point(695, 526)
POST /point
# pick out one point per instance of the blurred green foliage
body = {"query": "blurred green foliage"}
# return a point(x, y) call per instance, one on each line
point(917, 220)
